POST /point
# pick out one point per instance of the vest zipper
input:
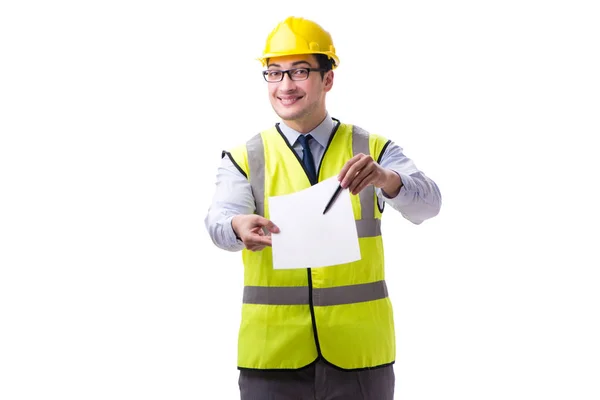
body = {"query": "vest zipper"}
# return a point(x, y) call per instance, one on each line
point(312, 312)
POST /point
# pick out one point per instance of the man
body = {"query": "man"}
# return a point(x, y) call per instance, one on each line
point(315, 333)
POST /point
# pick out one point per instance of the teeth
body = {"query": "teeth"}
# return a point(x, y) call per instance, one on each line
point(289, 101)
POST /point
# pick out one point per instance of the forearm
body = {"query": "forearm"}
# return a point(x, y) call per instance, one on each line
point(419, 198)
point(233, 196)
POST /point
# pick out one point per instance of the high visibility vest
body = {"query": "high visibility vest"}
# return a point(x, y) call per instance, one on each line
point(341, 314)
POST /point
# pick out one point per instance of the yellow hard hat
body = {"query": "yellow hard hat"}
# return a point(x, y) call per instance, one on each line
point(297, 35)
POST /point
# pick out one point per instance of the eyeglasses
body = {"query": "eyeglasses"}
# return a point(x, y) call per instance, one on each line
point(296, 74)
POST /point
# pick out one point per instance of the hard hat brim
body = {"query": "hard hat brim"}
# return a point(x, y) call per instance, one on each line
point(265, 57)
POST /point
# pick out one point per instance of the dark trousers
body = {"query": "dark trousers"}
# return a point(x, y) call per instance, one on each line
point(319, 381)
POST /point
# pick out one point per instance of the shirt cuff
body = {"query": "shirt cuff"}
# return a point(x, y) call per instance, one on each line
point(232, 240)
point(230, 222)
point(404, 196)
point(387, 196)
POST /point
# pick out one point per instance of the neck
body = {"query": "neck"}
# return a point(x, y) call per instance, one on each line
point(308, 124)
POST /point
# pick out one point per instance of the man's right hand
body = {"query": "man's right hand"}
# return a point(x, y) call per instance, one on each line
point(249, 228)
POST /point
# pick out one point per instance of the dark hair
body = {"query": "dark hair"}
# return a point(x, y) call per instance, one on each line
point(325, 63)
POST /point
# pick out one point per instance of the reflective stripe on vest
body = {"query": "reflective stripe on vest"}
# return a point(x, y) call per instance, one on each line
point(360, 144)
point(367, 226)
point(299, 295)
point(256, 166)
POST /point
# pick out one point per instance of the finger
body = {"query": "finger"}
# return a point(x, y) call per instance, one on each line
point(258, 231)
point(350, 176)
point(361, 183)
point(257, 240)
point(347, 166)
point(351, 168)
point(363, 174)
point(269, 225)
point(356, 169)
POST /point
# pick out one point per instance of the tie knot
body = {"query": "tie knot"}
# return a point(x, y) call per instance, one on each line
point(304, 139)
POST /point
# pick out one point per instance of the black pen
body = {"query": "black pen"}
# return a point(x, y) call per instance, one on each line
point(335, 195)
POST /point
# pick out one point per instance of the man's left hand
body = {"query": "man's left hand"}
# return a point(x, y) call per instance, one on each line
point(361, 171)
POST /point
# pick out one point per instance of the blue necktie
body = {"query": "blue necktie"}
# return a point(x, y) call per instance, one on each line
point(307, 158)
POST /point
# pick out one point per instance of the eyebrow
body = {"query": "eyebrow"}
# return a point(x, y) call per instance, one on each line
point(295, 63)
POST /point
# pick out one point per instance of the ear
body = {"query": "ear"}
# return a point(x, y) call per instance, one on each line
point(328, 79)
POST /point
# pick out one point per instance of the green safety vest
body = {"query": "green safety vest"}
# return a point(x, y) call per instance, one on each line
point(340, 313)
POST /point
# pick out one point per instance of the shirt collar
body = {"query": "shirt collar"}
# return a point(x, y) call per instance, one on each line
point(321, 133)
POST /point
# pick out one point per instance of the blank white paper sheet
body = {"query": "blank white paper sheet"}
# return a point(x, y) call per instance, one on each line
point(309, 239)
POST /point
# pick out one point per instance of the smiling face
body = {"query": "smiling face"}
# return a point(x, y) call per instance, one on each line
point(300, 104)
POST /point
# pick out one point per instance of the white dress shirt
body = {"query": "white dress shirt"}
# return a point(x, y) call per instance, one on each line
point(419, 198)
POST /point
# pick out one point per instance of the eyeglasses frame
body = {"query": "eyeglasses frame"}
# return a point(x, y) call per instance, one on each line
point(289, 71)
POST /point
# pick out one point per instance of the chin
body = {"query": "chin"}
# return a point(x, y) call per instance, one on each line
point(287, 115)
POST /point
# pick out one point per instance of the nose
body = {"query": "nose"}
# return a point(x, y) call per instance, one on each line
point(287, 83)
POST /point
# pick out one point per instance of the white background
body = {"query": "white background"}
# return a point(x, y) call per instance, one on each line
point(113, 115)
